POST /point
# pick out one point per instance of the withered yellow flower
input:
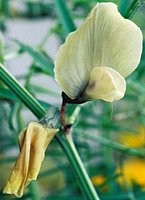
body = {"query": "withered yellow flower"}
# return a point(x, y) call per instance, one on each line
point(96, 58)
point(33, 142)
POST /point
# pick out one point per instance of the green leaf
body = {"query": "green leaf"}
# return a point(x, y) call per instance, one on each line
point(9, 95)
point(141, 71)
point(123, 7)
point(43, 90)
point(40, 57)
point(1, 49)
point(114, 145)
point(135, 5)
point(65, 16)
point(5, 7)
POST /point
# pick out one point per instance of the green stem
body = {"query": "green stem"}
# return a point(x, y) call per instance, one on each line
point(43, 43)
point(78, 167)
point(12, 55)
point(22, 93)
point(19, 117)
point(65, 16)
point(5, 7)
point(123, 6)
point(114, 145)
point(67, 143)
point(34, 191)
point(20, 105)
point(135, 5)
point(82, 173)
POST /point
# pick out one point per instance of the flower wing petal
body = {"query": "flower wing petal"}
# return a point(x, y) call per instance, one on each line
point(105, 83)
point(104, 39)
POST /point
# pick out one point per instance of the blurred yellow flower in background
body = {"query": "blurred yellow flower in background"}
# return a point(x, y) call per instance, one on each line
point(99, 180)
point(133, 169)
point(33, 142)
point(136, 139)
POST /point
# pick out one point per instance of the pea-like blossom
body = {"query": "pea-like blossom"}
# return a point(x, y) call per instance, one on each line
point(96, 58)
point(33, 142)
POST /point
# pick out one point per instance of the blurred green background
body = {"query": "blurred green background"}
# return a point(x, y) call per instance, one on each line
point(110, 137)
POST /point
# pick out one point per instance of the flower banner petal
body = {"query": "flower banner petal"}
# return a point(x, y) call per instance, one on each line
point(105, 83)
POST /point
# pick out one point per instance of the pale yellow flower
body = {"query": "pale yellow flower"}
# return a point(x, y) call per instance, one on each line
point(95, 59)
point(33, 142)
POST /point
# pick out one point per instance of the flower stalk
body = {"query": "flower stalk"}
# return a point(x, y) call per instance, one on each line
point(63, 120)
point(83, 176)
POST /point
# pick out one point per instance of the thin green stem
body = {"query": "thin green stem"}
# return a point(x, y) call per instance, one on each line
point(43, 43)
point(123, 6)
point(5, 7)
point(65, 16)
point(83, 175)
point(85, 183)
point(19, 117)
point(114, 145)
point(65, 142)
point(34, 191)
point(12, 55)
point(77, 164)
point(135, 5)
